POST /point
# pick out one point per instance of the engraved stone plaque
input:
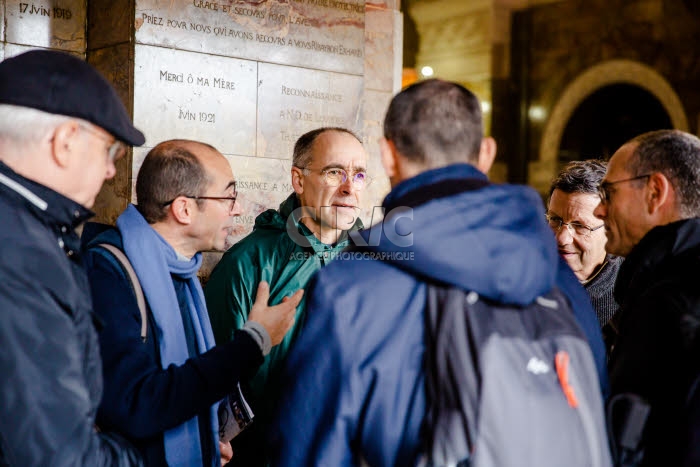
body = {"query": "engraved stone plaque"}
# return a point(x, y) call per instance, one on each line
point(292, 101)
point(2, 24)
point(12, 50)
point(47, 23)
point(319, 34)
point(262, 184)
point(208, 98)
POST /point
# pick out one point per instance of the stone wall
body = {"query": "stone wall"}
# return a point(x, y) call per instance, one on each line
point(246, 77)
point(649, 43)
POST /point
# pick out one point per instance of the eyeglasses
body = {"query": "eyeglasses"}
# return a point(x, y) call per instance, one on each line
point(604, 187)
point(231, 199)
point(116, 149)
point(337, 176)
point(574, 227)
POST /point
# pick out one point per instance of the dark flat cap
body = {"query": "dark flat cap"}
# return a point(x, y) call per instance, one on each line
point(59, 83)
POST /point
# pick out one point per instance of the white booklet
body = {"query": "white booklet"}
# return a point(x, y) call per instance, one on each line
point(235, 415)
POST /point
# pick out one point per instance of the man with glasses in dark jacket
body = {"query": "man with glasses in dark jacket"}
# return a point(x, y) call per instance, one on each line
point(62, 126)
point(162, 389)
point(650, 204)
point(573, 195)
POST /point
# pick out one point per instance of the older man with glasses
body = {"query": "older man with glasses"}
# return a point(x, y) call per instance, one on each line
point(650, 204)
point(286, 247)
point(163, 375)
point(62, 126)
point(581, 239)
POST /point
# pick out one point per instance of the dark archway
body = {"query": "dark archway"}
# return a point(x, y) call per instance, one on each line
point(607, 119)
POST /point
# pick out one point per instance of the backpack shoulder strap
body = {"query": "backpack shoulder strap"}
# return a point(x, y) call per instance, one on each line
point(452, 376)
point(136, 285)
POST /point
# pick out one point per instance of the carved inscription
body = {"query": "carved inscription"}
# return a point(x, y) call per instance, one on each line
point(57, 24)
point(293, 101)
point(258, 185)
point(321, 34)
point(196, 96)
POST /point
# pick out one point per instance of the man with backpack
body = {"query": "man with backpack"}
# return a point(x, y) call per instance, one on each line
point(445, 289)
point(163, 376)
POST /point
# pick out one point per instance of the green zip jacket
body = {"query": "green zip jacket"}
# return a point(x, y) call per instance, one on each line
point(266, 254)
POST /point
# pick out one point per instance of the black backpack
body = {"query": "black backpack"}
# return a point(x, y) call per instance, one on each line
point(509, 385)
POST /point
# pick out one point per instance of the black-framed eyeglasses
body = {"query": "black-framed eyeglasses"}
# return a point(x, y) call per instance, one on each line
point(579, 229)
point(337, 176)
point(232, 199)
point(116, 148)
point(604, 187)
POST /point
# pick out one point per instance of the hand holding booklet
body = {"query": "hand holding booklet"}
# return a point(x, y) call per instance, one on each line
point(235, 415)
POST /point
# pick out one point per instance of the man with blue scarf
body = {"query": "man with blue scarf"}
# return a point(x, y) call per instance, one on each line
point(354, 391)
point(162, 392)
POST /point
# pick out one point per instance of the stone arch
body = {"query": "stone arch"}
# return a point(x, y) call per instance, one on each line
point(594, 78)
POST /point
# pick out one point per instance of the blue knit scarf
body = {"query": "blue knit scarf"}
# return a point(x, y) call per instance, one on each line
point(154, 260)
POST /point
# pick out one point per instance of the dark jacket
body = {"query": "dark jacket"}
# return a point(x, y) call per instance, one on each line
point(657, 352)
point(269, 254)
point(354, 382)
point(141, 400)
point(50, 370)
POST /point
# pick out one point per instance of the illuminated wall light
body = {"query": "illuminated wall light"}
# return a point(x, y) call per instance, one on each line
point(426, 71)
point(536, 113)
point(485, 107)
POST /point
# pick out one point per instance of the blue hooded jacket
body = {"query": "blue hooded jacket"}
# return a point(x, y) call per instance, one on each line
point(354, 382)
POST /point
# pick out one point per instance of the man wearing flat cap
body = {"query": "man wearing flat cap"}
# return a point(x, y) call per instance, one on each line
point(62, 126)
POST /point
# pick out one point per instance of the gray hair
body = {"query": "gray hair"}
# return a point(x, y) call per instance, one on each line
point(676, 154)
point(24, 125)
point(580, 177)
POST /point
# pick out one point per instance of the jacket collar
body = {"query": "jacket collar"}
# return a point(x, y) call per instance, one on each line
point(288, 208)
point(44, 202)
point(436, 183)
point(663, 248)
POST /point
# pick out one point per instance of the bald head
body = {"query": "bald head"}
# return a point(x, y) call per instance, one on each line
point(174, 168)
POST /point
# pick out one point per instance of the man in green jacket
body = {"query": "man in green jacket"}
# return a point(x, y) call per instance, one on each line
point(285, 249)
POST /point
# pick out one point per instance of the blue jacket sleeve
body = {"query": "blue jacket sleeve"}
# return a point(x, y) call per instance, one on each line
point(141, 399)
point(310, 429)
point(586, 318)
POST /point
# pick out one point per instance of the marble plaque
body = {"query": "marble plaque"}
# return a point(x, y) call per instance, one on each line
point(46, 23)
point(319, 34)
point(2, 24)
point(12, 50)
point(292, 101)
point(379, 49)
point(209, 98)
point(262, 184)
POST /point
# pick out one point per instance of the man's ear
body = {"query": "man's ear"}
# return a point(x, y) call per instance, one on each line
point(181, 210)
point(63, 143)
point(297, 180)
point(487, 154)
point(388, 154)
point(660, 195)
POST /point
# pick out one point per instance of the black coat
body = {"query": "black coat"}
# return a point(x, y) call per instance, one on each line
point(656, 354)
point(50, 370)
